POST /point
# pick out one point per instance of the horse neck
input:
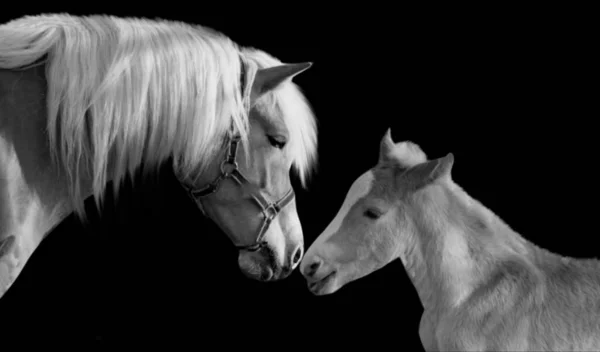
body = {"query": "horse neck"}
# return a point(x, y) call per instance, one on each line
point(23, 122)
point(458, 241)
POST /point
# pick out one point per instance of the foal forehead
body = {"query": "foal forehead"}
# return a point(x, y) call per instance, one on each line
point(361, 187)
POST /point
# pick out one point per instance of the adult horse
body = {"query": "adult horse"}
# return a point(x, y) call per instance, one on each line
point(88, 100)
point(483, 287)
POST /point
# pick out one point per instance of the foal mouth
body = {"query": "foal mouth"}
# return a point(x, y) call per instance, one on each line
point(316, 287)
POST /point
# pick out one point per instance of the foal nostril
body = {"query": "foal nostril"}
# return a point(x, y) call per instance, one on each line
point(313, 267)
point(297, 257)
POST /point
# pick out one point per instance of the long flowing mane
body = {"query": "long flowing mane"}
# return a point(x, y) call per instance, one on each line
point(126, 92)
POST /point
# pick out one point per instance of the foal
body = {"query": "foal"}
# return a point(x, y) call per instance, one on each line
point(482, 286)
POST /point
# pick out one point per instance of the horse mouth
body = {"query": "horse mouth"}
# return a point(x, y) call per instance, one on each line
point(317, 287)
point(260, 273)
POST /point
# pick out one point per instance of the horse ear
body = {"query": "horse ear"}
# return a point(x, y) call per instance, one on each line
point(386, 146)
point(267, 79)
point(428, 172)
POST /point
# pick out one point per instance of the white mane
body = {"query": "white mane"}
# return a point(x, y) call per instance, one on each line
point(127, 91)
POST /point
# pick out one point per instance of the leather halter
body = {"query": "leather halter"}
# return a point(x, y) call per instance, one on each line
point(229, 170)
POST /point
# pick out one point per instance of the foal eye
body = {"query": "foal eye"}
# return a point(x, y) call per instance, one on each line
point(372, 214)
point(277, 142)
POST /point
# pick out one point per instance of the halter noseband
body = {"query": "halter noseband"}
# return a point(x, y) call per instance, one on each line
point(229, 169)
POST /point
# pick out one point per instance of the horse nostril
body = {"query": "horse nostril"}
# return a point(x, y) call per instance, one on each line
point(297, 257)
point(313, 267)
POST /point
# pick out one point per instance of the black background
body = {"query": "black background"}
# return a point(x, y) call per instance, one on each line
point(513, 96)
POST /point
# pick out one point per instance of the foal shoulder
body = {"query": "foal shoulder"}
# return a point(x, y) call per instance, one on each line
point(495, 314)
point(512, 283)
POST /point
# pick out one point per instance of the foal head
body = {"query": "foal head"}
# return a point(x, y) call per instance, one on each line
point(376, 222)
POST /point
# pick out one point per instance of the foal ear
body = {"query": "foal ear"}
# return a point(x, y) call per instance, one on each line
point(428, 172)
point(385, 147)
point(267, 79)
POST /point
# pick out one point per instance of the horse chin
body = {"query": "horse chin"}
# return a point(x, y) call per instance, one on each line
point(258, 273)
point(256, 268)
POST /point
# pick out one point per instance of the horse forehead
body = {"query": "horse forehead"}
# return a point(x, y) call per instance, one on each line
point(268, 114)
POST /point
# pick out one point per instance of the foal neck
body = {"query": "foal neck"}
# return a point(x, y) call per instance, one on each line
point(448, 245)
point(411, 255)
point(456, 269)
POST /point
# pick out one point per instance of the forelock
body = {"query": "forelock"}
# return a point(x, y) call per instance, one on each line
point(408, 154)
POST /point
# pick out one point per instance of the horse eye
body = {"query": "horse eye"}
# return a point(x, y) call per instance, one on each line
point(277, 142)
point(372, 214)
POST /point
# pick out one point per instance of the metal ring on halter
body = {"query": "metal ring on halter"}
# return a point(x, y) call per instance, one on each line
point(274, 211)
point(224, 164)
point(253, 247)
